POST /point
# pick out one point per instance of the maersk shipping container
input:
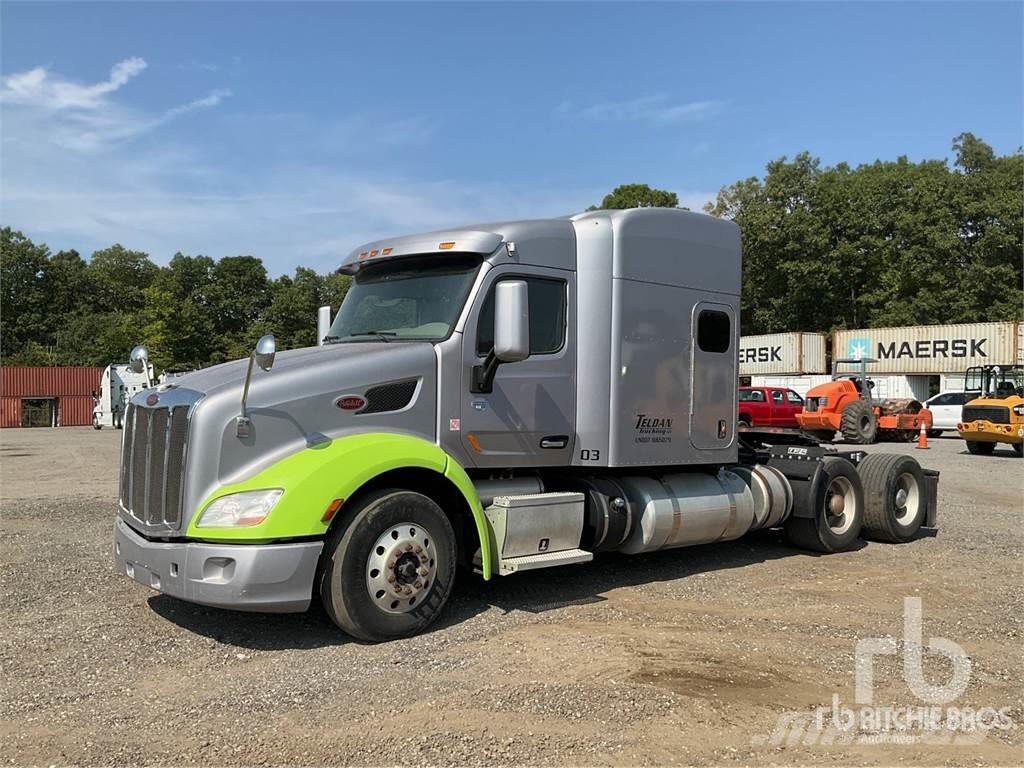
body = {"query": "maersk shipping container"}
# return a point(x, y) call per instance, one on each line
point(799, 384)
point(931, 349)
point(782, 354)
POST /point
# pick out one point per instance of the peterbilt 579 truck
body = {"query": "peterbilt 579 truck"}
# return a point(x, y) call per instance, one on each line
point(503, 397)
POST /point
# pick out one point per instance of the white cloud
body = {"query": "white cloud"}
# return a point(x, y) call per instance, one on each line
point(657, 109)
point(37, 88)
point(83, 117)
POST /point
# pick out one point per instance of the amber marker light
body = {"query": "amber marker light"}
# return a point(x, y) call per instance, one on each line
point(332, 510)
point(446, 246)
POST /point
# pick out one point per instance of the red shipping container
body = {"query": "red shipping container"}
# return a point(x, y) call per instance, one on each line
point(74, 411)
point(10, 411)
point(39, 381)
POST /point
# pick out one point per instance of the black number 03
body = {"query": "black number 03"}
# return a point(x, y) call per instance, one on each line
point(590, 454)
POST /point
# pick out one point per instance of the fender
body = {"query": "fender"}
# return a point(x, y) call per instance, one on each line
point(336, 469)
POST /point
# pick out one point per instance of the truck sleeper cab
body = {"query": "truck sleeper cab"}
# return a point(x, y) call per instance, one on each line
point(506, 397)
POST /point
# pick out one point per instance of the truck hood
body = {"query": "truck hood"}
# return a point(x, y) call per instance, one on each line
point(232, 375)
point(295, 406)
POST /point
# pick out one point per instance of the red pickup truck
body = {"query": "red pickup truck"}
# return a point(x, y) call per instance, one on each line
point(769, 407)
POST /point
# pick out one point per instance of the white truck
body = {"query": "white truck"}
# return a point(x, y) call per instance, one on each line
point(118, 384)
point(504, 397)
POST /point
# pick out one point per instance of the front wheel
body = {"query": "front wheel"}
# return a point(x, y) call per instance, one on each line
point(96, 422)
point(388, 569)
point(859, 425)
point(980, 449)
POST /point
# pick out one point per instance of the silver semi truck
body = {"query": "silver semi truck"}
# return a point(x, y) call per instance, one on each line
point(503, 397)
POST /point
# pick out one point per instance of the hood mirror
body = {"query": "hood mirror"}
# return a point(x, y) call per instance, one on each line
point(138, 362)
point(263, 356)
point(266, 348)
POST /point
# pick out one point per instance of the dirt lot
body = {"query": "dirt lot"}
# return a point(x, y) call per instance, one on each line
point(683, 657)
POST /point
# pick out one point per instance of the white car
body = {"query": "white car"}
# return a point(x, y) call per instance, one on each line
point(946, 408)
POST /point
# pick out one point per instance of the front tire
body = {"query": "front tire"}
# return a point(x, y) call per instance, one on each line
point(859, 425)
point(388, 568)
point(894, 497)
point(979, 448)
point(838, 510)
point(96, 422)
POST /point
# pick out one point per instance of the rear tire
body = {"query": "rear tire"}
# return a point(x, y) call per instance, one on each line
point(743, 421)
point(838, 510)
point(980, 449)
point(933, 433)
point(388, 567)
point(96, 422)
point(895, 502)
point(859, 425)
point(1018, 448)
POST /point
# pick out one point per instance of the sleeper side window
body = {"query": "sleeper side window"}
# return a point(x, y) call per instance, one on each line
point(547, 317)
point(714, 331)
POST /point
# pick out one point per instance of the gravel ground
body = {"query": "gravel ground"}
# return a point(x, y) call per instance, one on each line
point(682, 657)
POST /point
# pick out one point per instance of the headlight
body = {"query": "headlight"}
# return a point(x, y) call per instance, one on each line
point(1019, 410)
point(239, 510)
point(822, 401)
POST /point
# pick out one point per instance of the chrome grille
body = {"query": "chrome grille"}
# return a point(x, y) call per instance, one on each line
point(152, 460)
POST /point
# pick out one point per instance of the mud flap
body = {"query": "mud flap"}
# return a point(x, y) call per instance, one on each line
point(931, 490)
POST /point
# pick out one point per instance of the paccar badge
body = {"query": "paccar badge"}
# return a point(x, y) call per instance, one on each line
point(152, 399)
point(350, 402)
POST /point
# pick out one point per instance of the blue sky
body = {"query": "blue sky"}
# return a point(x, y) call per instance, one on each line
point(296, 132)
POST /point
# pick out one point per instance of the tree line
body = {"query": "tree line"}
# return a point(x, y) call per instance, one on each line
point(825, 247)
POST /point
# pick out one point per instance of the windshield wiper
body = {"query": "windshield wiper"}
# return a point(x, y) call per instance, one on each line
point(382, 335)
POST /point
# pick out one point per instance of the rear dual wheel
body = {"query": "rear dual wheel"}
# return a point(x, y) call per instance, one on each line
point(895, 502)
point(388, 568)
point(838, 507)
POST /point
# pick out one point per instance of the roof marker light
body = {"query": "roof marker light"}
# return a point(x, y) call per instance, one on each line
point(446, 246)
point(386, 251)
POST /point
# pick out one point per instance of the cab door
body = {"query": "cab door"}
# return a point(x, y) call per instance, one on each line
point(528, 419)
point(713, 371)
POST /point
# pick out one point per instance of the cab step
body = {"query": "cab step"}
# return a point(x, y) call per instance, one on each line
point(510, 565)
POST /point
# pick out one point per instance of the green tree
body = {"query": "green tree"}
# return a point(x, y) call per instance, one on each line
point(24, 302)
point(118, 278)
point(637, 196)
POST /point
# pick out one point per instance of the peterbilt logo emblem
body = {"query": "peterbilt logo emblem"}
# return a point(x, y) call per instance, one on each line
point(152, 399)
point(350, 402)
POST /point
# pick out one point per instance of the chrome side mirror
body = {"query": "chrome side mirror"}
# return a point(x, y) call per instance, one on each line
point(263, 356)
point(264, 353)
point(511, 321)
point(138, 362)
point(511, 333)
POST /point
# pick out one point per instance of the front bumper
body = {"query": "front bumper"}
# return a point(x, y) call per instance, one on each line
point(988, 432)
point(276, 578)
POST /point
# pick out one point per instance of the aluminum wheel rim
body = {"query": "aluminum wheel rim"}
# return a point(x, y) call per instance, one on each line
point(907, 498)
point(840, 505)
point(401, 566)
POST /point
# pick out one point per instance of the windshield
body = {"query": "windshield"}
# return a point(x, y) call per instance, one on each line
point(409, 299)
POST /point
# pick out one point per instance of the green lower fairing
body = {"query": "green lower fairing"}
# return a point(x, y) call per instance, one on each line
point(313, 477)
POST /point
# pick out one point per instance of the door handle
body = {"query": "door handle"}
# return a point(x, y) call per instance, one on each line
point(554, 441)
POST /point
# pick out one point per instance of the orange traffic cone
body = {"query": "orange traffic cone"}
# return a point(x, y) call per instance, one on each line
point(922, 438)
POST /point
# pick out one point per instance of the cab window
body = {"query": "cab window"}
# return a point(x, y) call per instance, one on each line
point(794, 398)
point(547, 317)
point(777, 397)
